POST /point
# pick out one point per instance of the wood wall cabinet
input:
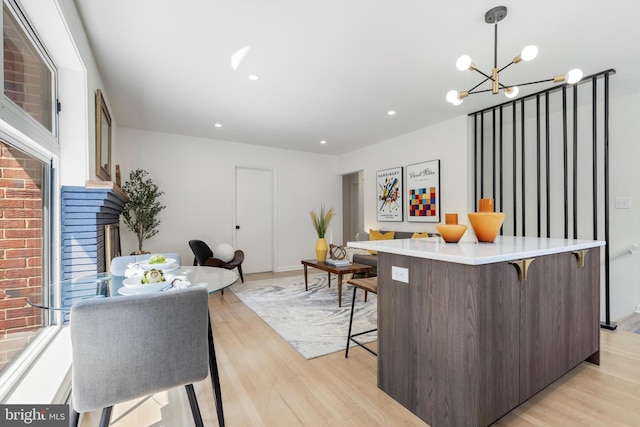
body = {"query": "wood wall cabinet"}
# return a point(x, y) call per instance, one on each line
point(462, 345)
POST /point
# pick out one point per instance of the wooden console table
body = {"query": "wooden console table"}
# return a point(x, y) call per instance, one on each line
point(339, 271)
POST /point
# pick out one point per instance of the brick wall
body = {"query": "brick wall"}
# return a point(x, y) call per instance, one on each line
point(27, 78)
point(20, 250)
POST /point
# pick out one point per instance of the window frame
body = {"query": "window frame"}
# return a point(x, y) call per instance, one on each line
point(11, 112)
point(25, 133)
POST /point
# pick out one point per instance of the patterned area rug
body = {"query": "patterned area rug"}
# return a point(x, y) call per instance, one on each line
point(310, 321)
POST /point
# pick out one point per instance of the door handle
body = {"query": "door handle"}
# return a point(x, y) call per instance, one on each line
point(237, 227)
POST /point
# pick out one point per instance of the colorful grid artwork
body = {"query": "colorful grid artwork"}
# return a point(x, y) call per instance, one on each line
point(422, 202)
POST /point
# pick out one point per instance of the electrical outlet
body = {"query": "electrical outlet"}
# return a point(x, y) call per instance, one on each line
point(623, 202)
point(400, 274)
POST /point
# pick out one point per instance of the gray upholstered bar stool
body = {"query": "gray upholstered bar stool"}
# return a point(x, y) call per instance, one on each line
point(368, 284)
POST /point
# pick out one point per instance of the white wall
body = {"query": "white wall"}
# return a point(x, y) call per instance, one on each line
point(59, 26)
point(446, 141)
point(624, 149)
point(197, 176)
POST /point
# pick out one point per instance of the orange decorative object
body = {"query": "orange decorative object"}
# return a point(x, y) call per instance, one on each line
point(451, 233)
point(486, 225)
point(485, 205)
point(451, 218)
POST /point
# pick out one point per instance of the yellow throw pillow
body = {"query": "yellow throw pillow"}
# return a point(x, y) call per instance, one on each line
point(417, 235)
point(376, 235)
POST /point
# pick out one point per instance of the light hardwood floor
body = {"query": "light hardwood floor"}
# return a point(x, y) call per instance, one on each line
point(265, 382)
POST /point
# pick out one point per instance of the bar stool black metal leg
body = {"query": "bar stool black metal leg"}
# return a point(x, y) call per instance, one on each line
point(353, 303)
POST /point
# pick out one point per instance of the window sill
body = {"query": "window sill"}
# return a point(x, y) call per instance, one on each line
point(48, 380)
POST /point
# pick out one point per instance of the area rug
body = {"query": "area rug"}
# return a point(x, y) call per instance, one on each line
point(310, 321)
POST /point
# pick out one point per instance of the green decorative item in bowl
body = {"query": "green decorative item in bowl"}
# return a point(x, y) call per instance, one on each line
point(152, 276)
point(157, 259)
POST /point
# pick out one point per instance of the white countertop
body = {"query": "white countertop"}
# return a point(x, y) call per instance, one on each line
point(505, 248)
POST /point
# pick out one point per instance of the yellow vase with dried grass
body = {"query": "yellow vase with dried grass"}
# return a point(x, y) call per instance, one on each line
point(320, 220)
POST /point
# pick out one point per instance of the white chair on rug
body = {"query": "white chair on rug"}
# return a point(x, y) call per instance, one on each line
point(127, 347)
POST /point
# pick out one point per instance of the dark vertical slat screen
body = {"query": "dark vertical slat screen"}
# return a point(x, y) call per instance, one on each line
point(538, 172)
point(482, 162)
point(475, 156)
point(565, 146)
point(547, 138)
point(556, 200)
point(500, 163)
point(493, 154)
point(575, 162)
point(594, 167)
point(606, 198)
point(523, 170)
point(515, 164)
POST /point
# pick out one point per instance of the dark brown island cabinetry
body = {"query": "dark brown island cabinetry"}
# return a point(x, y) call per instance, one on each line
point(462, 345)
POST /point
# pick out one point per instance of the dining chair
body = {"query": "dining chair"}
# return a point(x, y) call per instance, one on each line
point(203, 255)
point(127, 347)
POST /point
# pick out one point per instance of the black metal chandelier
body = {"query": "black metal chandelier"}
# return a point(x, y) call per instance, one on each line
point(493, 16)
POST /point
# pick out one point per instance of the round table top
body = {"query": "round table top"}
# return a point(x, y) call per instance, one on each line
point(215, 278)
point(105, 285)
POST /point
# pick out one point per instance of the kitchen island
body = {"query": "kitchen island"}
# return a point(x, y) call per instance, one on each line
point(469, 331)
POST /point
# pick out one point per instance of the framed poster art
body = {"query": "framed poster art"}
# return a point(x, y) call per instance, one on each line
point(423, 192)
point(389, 195)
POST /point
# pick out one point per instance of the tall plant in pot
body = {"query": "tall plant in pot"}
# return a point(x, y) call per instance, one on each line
point(321, 220)
point(141, 211)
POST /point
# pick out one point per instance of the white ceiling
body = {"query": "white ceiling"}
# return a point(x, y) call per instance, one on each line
point(331, 69)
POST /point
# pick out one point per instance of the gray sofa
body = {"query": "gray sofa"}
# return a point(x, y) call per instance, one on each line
point(371, 259)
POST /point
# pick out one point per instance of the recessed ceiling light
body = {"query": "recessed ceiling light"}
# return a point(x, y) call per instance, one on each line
point(253, 77)
point(323, 142)
point(218, 125)
point(391, 113)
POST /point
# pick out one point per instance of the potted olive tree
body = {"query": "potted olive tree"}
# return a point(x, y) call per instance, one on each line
point(141, 211)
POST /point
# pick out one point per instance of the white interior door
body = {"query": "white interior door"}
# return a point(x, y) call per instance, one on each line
point(254, 218)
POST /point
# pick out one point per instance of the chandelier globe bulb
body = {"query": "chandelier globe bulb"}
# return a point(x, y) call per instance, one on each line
point(574, 76)
point(454, 97)
point(529, 53)
point(463, 63)
point(512, 93)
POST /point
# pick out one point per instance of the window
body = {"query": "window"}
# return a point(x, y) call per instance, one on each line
point(28, 106)
point(22, 190)
point(28, 78)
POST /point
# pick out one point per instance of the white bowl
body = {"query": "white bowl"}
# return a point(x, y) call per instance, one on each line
point(135, 285)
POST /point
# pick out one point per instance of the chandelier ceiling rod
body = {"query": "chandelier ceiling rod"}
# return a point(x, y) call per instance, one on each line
point(493, 16)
